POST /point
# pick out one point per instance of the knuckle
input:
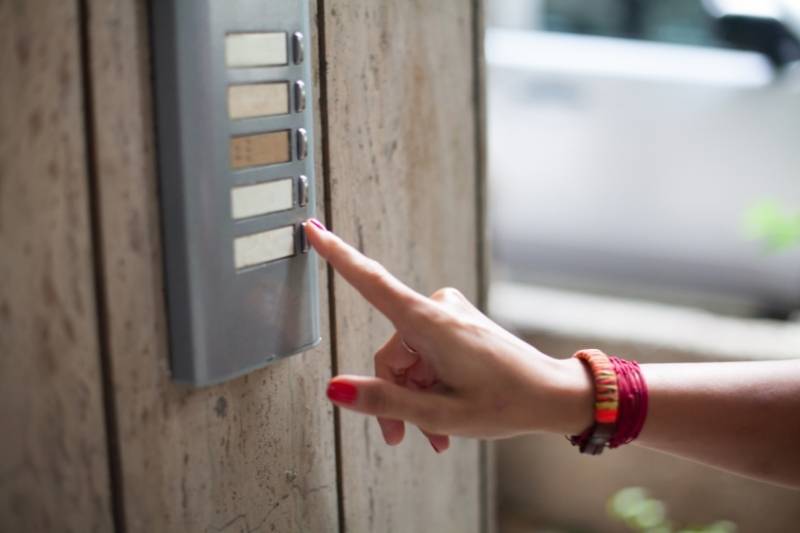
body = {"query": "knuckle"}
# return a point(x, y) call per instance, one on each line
point(452, 299)
point(376, 401)
point(374, 271)
point(437, 295)
point(446, 294)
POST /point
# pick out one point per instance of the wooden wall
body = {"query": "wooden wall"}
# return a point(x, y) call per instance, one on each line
point(102, 438)
point(403, 189)
point(53, 457)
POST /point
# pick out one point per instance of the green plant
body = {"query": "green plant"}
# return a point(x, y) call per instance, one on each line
point(773, 224)
point(639, 512)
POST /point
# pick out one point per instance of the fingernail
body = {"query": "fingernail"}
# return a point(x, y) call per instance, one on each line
point(318, 224)
point(342, 392)
point(434, 447)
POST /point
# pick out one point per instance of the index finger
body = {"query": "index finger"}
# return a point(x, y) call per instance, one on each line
point(380, 288)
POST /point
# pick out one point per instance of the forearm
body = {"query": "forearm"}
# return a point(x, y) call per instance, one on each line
point(743, 417)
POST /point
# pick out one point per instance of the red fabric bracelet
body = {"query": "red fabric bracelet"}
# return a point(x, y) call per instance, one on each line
point(631, 398)
point(633, 401)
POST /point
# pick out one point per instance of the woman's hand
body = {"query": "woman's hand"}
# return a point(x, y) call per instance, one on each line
point(449, 369)
point(452, 371)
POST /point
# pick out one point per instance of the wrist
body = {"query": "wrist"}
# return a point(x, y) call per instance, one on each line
point(571, 397)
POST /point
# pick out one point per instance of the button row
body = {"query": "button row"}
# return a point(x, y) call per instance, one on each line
point(264, 99)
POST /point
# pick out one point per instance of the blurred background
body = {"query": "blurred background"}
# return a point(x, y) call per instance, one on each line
point(643, 147)
point(644, 185)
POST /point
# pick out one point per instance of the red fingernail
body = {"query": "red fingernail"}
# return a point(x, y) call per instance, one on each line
point(342, 392)
point(318, 224)
point(434, 447)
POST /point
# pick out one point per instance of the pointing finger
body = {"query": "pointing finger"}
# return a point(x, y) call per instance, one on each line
point(380, 288)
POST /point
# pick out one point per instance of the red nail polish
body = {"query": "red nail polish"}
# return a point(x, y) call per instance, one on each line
point(434, 447)
point(342, 392)
point(318, 224)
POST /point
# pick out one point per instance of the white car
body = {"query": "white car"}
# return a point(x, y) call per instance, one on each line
point(629, 167)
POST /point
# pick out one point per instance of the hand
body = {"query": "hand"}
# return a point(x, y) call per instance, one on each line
point(448, 368)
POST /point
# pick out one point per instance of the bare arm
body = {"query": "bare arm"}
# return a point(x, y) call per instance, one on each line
point(451, 371)
point(743, 417)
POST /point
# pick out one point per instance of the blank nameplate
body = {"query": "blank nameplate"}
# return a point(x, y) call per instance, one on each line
point(263, 247)
point(262, 198)
point(260, 149)
point(255, 49)
point(258, 100)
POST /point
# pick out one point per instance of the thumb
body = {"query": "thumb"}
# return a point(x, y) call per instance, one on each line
point(379, 397)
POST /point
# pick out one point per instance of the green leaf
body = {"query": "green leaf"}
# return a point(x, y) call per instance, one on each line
point(623, 503)
point(773, 224)
point(649, 514)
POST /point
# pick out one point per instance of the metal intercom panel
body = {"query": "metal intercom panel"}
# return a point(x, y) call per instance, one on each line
point(236, 167)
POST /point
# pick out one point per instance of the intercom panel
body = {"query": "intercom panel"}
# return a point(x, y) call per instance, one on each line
point(236, 172)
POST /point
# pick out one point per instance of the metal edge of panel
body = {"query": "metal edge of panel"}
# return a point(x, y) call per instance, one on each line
point(172, 210)
point(177, 26)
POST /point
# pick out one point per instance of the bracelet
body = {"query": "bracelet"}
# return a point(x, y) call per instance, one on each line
point(606, 403)
point(621, 402)
point(633, 401)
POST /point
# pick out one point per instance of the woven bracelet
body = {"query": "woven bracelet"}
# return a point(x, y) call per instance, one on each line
point(606, 403)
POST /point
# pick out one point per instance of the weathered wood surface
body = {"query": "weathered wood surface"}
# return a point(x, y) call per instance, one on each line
point(257, 453)
point(53, 462)
point(403, 176)
point(253, 454)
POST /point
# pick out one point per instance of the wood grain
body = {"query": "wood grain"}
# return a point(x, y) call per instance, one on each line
point(403, 171)
point(252, 454)
point(53, 461)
